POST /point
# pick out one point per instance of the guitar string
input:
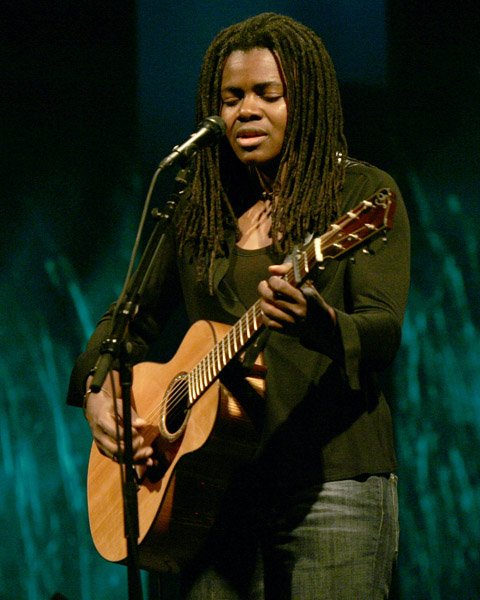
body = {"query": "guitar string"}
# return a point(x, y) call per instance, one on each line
point(217, 355)
point(172, 402)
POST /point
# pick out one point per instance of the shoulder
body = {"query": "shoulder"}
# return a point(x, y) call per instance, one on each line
point(362, 180)
point(361, 170)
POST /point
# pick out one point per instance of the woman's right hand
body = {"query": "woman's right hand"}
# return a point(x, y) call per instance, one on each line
point(103, 420)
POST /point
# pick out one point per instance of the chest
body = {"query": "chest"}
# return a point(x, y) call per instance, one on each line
point(254, 225)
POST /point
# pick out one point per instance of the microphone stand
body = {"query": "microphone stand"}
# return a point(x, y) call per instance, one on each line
point(115, 347)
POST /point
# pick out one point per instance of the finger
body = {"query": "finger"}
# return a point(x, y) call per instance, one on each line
point(265, 291)
point(275, 316)
point(110, 433)
point(281, 310)
point(109, 426)
point(271, 290)
point(108, 447)
point(115, 451)
point(283, 290)
point(144, 456)
point(138, 421)
point(280, 270)
point(117, 415)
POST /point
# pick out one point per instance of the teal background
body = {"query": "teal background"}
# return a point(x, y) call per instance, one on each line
point(93, 95)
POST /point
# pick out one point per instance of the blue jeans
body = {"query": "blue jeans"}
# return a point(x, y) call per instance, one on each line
point(332, 542)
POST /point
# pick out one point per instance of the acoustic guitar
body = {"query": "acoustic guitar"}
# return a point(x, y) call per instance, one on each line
point(200, 431)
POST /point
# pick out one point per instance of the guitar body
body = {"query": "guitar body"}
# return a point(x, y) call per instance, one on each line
point(178, 503)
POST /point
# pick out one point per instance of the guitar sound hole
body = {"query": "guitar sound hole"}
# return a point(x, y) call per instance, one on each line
point(176, 410)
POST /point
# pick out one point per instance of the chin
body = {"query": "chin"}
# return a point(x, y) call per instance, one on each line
point(255, 158)
point(268, 166)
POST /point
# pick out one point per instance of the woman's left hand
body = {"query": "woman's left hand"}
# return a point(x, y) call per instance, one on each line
point(285, 307)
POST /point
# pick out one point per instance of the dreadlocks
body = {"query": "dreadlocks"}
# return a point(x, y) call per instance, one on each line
point(312, 164)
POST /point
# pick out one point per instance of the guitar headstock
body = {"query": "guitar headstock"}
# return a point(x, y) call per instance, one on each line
point(369, 218)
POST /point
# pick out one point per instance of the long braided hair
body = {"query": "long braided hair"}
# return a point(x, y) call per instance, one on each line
point(312, 163)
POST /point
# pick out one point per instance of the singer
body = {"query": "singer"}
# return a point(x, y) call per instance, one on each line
point(312, 515)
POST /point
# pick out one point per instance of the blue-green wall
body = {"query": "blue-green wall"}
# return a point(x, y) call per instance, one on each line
point(95, 94)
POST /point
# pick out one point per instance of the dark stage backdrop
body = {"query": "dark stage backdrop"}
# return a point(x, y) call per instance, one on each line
point(94, 94)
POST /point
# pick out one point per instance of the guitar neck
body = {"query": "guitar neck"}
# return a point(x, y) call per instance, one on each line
point(365, 221)
point(209, 368)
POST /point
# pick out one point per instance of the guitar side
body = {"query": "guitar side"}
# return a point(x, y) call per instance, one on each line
point(177, 509)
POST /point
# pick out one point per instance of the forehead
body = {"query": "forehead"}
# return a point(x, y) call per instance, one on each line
point(258, 65)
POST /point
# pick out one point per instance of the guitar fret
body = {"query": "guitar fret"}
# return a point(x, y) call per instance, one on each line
point(234, 344)
point(198, 371)
point(190, 390)
point(213, 365)
point(199, 378)
point(222, 361)
point(306, 267)
point(241, 332)
point(201, 382)
point(194, 383)
point(229, 345)
point(191, 385)
point(224, 358)
point(209, 371)
point(205, 372)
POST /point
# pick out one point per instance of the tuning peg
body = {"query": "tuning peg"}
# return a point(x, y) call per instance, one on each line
point(368, 251)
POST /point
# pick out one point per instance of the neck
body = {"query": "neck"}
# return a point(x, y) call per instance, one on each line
point(266, 181)
point(256, 185)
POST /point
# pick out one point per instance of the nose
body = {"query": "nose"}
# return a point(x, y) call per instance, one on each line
point(250, 108)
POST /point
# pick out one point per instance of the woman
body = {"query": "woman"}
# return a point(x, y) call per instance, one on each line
point(314, 515)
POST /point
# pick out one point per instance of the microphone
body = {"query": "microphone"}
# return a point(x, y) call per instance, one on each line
point(208, 133)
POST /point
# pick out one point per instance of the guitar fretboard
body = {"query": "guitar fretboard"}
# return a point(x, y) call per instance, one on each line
point(208, 369)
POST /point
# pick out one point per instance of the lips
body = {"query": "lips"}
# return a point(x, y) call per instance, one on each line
point(250, 136)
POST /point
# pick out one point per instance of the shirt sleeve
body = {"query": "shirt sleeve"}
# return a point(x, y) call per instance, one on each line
point(370, 294)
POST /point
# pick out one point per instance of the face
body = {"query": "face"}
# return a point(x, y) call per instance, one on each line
point(254, 107)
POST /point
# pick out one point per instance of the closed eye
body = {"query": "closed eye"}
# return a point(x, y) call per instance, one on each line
point(270, 91)
point(232, 101)
point(272, 97)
